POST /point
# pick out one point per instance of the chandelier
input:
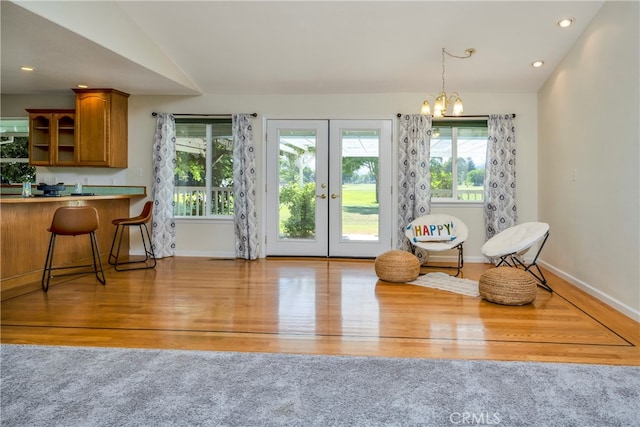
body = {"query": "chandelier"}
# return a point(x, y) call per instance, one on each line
point(443, 101)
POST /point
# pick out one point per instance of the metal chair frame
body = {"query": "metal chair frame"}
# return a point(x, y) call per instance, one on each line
point(513, 260)
point(121, 225)
point(457, 267)
point(438, 247)
point(95, 251)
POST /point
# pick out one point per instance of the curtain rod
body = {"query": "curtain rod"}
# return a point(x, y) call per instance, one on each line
point(482, 116)
point(204, 115)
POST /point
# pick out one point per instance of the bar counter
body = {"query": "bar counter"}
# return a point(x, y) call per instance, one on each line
point(11, 199)
point(25, 237)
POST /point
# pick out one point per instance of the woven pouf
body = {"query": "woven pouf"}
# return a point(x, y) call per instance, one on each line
point(397, 266)
point(508, 286)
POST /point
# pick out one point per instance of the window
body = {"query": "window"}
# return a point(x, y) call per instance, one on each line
point(204, 168)
point(465, 141)
point(14, 151)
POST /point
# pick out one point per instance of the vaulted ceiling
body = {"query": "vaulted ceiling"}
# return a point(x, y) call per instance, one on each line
point(285, 47)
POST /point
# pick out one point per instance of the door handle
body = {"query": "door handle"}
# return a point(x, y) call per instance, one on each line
point(321, 196)
point(334, 196)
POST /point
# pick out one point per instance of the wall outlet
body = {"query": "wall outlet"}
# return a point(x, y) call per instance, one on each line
point(574, 175)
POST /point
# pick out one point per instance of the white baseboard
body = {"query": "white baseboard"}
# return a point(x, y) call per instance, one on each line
point(203, 254)
point(607, 299)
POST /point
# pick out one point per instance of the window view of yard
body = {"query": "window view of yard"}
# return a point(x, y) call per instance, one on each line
point(358, 198)
point(14, 151)
point(204, 168)
point(204, 175)
point(359, 211)
point(468, 145)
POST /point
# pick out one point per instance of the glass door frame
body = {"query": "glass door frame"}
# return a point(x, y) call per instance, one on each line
point(317, 245)
point(340, 244)
point(328, 240)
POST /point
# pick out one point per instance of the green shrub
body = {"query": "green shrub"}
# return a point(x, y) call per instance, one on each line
point(301, 202)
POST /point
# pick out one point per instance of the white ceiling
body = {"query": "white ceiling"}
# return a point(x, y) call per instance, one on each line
point(287, 47)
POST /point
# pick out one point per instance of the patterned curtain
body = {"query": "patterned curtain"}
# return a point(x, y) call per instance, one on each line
point(244, 188)
point(500, 175)
point(163, 234)
point(414, 180)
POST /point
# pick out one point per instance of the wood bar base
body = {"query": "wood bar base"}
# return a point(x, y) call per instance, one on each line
point(25, 239)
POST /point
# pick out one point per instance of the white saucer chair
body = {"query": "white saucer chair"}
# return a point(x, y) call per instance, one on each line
point(437, 233)
point(510, 245)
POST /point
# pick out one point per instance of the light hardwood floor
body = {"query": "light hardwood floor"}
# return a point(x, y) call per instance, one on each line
point(318, 306)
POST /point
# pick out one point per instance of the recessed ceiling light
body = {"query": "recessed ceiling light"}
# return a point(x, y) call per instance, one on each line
point(537, 64)
point(566, 22)
point(25, 68)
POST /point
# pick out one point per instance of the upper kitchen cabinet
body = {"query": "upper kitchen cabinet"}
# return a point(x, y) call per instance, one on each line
point(51, 137)
point(101, 128)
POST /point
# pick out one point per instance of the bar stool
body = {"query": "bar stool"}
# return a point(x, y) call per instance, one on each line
point(73, 221)
point(121, 225)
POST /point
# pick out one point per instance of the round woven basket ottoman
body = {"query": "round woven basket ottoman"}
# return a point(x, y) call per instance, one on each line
point(508, 286)
point(397, 266)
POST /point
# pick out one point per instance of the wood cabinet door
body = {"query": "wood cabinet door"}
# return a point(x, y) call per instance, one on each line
point(40, 142)
point(65, 153)
point(92, 130)
point(52, 137)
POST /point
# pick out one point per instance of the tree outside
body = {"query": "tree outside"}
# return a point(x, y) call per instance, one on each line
point(14, 172)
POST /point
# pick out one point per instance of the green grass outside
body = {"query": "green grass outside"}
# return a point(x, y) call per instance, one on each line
point(359, 210)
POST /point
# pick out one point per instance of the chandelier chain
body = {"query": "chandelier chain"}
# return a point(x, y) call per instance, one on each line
point(468, 52)
point(443, 52)
point(442, 101)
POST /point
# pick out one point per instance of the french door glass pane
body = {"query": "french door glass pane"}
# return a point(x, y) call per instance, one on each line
point(297, 184)
point(360, 208)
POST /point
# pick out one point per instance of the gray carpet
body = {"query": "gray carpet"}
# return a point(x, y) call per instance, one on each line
point(79, 386)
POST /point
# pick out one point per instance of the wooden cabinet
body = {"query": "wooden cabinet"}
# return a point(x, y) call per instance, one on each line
point(101, 128)
point(52, 137)
point(94, 134)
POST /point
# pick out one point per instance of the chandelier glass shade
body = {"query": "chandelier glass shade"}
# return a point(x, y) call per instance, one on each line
point(442, 102)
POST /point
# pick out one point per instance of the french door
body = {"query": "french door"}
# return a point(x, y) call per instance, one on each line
point(329, 187)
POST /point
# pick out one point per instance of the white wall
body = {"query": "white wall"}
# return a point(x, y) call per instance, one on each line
point(220, 243)
point(588, 123)
point(189, 236)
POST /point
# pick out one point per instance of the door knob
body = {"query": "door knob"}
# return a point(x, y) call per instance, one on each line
point(322, 196)
point(334, 196)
